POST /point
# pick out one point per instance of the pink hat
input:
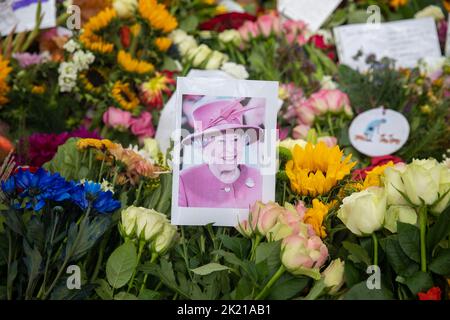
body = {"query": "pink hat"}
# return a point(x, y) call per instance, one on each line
point(220, 115)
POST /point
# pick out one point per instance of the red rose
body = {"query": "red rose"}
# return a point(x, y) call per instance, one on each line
point(221, 22)
point(432, 294)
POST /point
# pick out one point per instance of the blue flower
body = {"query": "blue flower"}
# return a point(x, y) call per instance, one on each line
point(39, 187)
point(9, 187)
point(91, 193)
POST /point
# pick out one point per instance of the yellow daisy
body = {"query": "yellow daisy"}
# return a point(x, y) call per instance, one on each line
point(315, 170)
point(129, 64)
point(124, 96)
point(156, 15)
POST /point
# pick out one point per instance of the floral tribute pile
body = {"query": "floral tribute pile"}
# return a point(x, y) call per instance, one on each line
point(84, 183)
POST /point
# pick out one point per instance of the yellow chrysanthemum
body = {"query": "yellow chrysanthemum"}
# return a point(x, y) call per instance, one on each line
point(315, 216)
point(163, 43)
point(91, 40)
point(398, 3)
point(124, 96)
point(98, 144)
point(129, 64)
point(156, 15)
point(373, 176)
point(5, 70)
point(314, 170)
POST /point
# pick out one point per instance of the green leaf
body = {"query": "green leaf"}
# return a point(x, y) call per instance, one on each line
point(419, 282)
point(409, 240)
point(439, 230)
point(209, 268)
point(352, 274)
point(287, 287)
point(399, 261)
point(357, 253)
point(190, 23)
point(148, 294)
point(125, 296)
point(360, 291)
point(121, 265)
point(239, 246)
point(266, 250)
point(33, 260)
point(104, 290)
point(441, 263)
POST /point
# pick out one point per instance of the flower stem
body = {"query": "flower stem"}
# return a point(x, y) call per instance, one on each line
point(423, 233)
point(255, 244)
point(375, 249)
point(141, 249)
point(271, 282)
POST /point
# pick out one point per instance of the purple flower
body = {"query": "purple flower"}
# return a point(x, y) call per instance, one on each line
point(43, 146)
point(27, 59)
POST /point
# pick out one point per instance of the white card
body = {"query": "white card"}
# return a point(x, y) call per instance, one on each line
point(379, 132)
point(22, 14)
point(447, 42)
point(406, 41)
point(312, 12)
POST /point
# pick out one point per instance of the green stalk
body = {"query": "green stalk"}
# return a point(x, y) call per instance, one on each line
point(423, 233)
point(375, 249)
point(153, 259)
point(275, 277)
point(255, 244)
point(141, 249)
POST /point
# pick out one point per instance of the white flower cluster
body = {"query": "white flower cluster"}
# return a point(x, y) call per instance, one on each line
point(202, 56)
point(68, 71)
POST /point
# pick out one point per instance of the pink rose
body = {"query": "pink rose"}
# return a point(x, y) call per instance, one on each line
point(306, 113)
point(268, 24)
point(117, 118)
point(334, 101)
point(263, 217)
point(329, 141)
point(249, 30)
point(301, 131)
point(142, 127)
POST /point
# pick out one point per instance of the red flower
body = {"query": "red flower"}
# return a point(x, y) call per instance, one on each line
point(432, 294)
point(221, 22)
point(125, 36)
point(360, 174)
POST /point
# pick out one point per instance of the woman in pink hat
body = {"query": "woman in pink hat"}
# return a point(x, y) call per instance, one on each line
point(222, 181)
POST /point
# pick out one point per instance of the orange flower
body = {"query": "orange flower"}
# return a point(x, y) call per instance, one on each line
point(163, 43)
point(398, 3)
point(5, 70)
point(157, 16)
point(129, 64)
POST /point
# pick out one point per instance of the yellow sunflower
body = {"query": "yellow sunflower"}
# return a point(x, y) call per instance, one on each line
point(129, 64)
point(156, 15)
point(93, 80)
point(93, 41)
point(315, 216)
point(124, 96)
point(5, 70)
point(98, 144)
point(315, 170)
point(163, 43)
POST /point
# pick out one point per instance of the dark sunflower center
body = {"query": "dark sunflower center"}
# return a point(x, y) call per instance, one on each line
point(95, 78)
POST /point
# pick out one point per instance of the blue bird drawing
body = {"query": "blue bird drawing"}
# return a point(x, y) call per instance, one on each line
point(372, 127)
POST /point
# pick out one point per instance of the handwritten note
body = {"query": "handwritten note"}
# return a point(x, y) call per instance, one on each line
point(22, 15)
point(312, 12)
point(406, 41)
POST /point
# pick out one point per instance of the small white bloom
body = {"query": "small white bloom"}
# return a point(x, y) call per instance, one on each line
point(83, 59)
point(236, 70)
point(71, 45)
point(230, 36)
point(327, 83)
point(107, 186)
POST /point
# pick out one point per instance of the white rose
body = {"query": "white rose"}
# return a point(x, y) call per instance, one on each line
point(333, 276)
point(430, 11)
point(165, 239)
point(178, 36)
point(200, 55)
point(393, 184)
point(149, 223)
point(128, 220)
point(215, 60)
point(396, 213)
point(291, 143)
point(236, 70)
point(230, 36)
point(125, 8)
point(444, 193)
point(363, 212)
point(189, 44)
point(421, 181)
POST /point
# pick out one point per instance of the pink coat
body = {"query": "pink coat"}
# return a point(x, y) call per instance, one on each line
point(199, 188)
